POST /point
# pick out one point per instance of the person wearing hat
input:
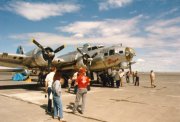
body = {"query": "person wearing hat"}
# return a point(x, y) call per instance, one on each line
point(82, 83)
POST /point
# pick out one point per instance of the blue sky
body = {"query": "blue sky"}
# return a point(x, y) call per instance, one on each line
point(151, 27)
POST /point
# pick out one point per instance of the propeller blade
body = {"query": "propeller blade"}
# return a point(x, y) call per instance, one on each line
point(37, 44)
point(59, 48)
point(85, 55)
point(80, 51)
point(94, 55)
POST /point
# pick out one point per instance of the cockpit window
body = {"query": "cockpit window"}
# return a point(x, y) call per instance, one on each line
point(93, 48)
point(105, 54)
point(111, 52)
point(89, 49)
point(121, 52)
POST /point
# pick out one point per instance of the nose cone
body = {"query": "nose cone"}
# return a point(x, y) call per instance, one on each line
point(51, 54)
point(48, 53)
point(129, 53)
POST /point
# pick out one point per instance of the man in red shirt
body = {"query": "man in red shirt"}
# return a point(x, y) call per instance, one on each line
point(82, 82)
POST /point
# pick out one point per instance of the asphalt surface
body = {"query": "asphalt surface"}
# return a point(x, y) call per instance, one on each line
point(126, 104)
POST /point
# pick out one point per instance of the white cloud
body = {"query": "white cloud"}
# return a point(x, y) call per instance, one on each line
point(165, 28)
point(170, 12)
point(140, 60)
point(113, 31)
point(158, 33)
point(51, 39)
point(105, 28)
point(159, 59)
point(133, 12)
point(39, 11)
point(165, 31)
point(108, 4)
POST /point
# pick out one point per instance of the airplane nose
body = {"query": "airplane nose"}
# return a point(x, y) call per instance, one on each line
point(129, 53)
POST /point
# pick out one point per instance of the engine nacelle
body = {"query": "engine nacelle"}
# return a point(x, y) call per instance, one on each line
point(75, 66)
point(80, 63)
point(39, 59)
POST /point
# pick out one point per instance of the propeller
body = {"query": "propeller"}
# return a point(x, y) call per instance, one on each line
point(87, 59)
point(129, 53)
point(48, 53)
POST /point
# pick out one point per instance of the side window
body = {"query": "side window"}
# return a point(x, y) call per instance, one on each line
point(93, 48)
point(89, 49)
point(121, 52)
point(111, 52)
point(105, 54)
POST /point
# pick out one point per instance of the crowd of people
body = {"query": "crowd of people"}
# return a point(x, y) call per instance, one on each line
point(115, 78)
point(80, 82)
point(53, 83)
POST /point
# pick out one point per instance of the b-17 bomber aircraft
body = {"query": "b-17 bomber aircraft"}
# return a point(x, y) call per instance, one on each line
point(95, 58)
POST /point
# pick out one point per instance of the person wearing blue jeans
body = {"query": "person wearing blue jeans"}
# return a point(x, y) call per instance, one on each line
point(57, 106)
point(56, 90)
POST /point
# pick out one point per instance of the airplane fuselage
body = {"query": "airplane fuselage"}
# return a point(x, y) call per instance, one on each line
point(106, 58)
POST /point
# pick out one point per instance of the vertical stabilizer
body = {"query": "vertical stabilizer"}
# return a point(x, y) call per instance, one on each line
point(20, 50)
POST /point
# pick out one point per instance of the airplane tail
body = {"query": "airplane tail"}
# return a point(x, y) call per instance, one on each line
point(20, 50)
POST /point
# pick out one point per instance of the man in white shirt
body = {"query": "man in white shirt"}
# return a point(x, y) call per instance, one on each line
point(117, 77)
point(152, 78)
point(121, 74)
point(48, 87)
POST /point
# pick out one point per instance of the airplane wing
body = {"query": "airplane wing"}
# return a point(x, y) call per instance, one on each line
point(62, 63)
point(8, 69)
point(13, 60)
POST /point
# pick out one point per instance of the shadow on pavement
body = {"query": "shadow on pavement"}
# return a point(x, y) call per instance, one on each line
point(34, 87)
point(71, 106)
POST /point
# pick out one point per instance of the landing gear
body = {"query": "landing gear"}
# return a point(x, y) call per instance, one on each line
point(41, 78)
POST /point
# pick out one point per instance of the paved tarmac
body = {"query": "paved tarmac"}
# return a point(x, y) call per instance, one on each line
point(126, 104)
